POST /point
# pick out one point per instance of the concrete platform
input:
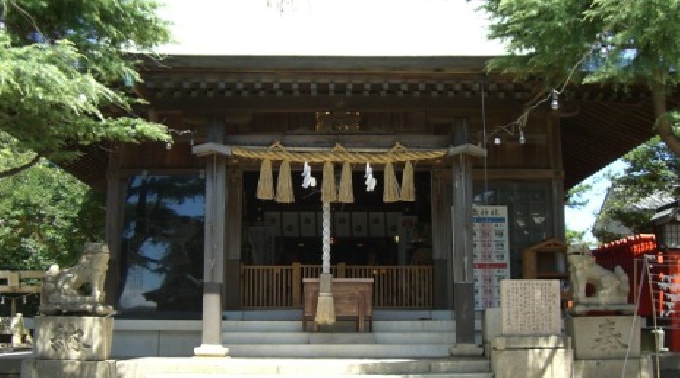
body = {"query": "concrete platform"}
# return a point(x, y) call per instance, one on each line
point(10, 362)
point(256, 367)
point(401, 337)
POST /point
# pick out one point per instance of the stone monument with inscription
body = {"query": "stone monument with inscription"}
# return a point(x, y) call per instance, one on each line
point(602, 325)
point(75, 328)
point(531, 343)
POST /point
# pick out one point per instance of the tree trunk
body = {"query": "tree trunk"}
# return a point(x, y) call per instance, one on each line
point(664, 126)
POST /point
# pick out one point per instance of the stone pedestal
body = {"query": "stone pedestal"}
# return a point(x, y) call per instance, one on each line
point(530, 344)
point(532, 357)
point(602, 344)
point(634, 368)
point(31, 368)
point(604, 337)
point(73, 337)
point(491, 328)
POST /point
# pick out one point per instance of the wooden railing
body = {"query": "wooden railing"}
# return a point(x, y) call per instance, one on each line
point(267, 286)
point(20, 283)
point(281, 286)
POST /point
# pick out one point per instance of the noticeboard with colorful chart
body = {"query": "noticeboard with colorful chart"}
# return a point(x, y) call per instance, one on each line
point(490, 253)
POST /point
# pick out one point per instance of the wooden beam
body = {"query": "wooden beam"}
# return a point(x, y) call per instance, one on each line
point(468, 149)
point(237, 63)
point(480, 174)
point(305, 103)
point(211, 148)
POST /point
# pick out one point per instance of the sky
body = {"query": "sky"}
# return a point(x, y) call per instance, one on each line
point(329, 27)
point(583, 219)
point(346, 28)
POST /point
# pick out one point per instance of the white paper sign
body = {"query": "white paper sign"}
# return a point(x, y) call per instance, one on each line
point(490, 253)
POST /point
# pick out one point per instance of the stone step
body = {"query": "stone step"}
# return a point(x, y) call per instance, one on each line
point(215, 367)
point(442, 375)
point(265, 337)
point(378, 325)
point(378, 314)
point(298, 338)
point(414, 326)
point(443, 337)
point(339, 338)
point(340, 350)
point(261, 326)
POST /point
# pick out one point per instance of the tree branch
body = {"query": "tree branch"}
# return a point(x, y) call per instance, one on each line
point(664, 126)
point(15, 170)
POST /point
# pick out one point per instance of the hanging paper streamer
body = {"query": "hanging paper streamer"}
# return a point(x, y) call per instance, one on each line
point(265, 186)
point(328, 191)
point(284, 187)
point(307, 178)
point(370, 180)
point(390, 187)
point(345, 193)
point(669, 286)
point(673, 297)
point(408, 190)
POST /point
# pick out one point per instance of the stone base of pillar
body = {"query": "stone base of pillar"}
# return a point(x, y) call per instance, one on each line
point(465, 350)
point(325, 308)
point(211, 350)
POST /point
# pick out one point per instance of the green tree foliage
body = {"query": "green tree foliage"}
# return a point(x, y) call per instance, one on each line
point(65, 77)
point(613, 41)
point(45, 215)
point(574, 237)
point(649, 181)
point(576, 196)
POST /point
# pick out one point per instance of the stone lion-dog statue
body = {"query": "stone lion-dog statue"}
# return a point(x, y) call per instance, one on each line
point(82, 283)
point(611, 287)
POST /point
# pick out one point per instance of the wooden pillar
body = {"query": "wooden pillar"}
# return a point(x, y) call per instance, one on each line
point(557, 181)
point(214, 243)
point(232, 265)
point(462, 250)
point(462, 267)
point(115, 202)
point(441, 240)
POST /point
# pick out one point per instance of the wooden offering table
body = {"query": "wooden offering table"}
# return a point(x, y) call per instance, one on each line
point(352, 297)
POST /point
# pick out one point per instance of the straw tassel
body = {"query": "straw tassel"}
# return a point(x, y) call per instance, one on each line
point(284, 187)
point(390, 187)
point(265, 186)
point(328, 191)
point(345, 193)
point(408, 190)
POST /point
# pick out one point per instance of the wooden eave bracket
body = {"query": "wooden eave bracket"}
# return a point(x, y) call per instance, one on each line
point(467, 149)
point(211, 148)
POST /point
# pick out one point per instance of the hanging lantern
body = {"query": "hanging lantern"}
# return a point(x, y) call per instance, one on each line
point(555, 103)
